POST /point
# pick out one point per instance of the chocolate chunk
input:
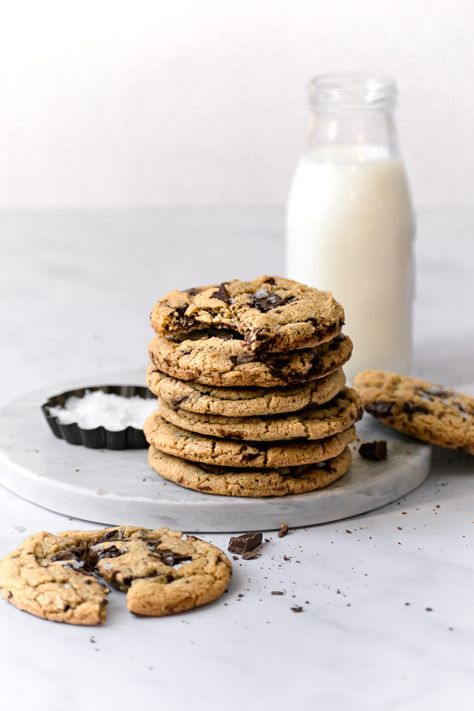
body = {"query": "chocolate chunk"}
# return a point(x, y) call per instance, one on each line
point(433, 392)
point(255, 553)
point(283, 530)
point(248, 456)
point(264, 301)
point(170, 558)
point(410, 408)
point(125, 583)
point(96, 554)
point(193, 290)
point(375, 451)
point(270, 280)
point(297, 608)
point(180, 311)
point(81, 560)
point(181, 320)
point(244, 543)
point(336, 342)
point(222, 294)
point(177, 401)
point(115, 534)
point(79, 566)
point(380, 408)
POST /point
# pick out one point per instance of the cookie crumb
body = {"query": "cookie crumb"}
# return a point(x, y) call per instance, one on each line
point(283, 530)
point(277, 592)
point(297, 608)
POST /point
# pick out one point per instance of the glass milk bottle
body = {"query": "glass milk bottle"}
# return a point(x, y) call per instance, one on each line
point(350, 224)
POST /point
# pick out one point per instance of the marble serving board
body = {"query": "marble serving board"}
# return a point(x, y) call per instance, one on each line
point(118, 487)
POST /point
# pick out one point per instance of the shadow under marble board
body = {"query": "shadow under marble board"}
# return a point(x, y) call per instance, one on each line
point(118, 487)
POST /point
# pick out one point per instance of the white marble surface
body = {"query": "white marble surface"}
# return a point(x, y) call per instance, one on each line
point(75, 290)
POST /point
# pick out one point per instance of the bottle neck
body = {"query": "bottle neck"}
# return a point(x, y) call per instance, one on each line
point(370, 131)
point(354, 111)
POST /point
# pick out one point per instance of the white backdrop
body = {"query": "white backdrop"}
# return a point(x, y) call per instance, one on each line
point(202, 101)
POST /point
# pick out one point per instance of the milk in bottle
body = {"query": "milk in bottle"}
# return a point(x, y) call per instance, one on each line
point(350, 223)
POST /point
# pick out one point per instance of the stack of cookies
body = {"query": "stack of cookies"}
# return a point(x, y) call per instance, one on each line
point(251, 393)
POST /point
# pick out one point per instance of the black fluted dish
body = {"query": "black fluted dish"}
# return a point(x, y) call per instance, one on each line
point(99, 437)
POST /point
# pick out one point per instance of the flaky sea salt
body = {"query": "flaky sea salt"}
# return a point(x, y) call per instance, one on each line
point(99, 409)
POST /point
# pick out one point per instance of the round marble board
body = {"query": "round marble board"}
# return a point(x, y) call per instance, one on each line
point(118, 487)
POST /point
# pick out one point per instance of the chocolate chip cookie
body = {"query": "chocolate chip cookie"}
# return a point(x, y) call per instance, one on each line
point(228, 481)
point(242, 402)
point(58, 577)
point(226, 452)
point(311, 424)
point(430, 412)
point(229, 363)
point(268, 313)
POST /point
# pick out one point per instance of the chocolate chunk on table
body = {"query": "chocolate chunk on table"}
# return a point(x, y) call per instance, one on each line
point(245, 543)
point(375, 451)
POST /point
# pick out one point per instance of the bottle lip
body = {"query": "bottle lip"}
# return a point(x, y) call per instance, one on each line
point(351, 90)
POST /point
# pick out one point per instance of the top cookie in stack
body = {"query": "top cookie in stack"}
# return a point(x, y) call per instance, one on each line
point(252, 396)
